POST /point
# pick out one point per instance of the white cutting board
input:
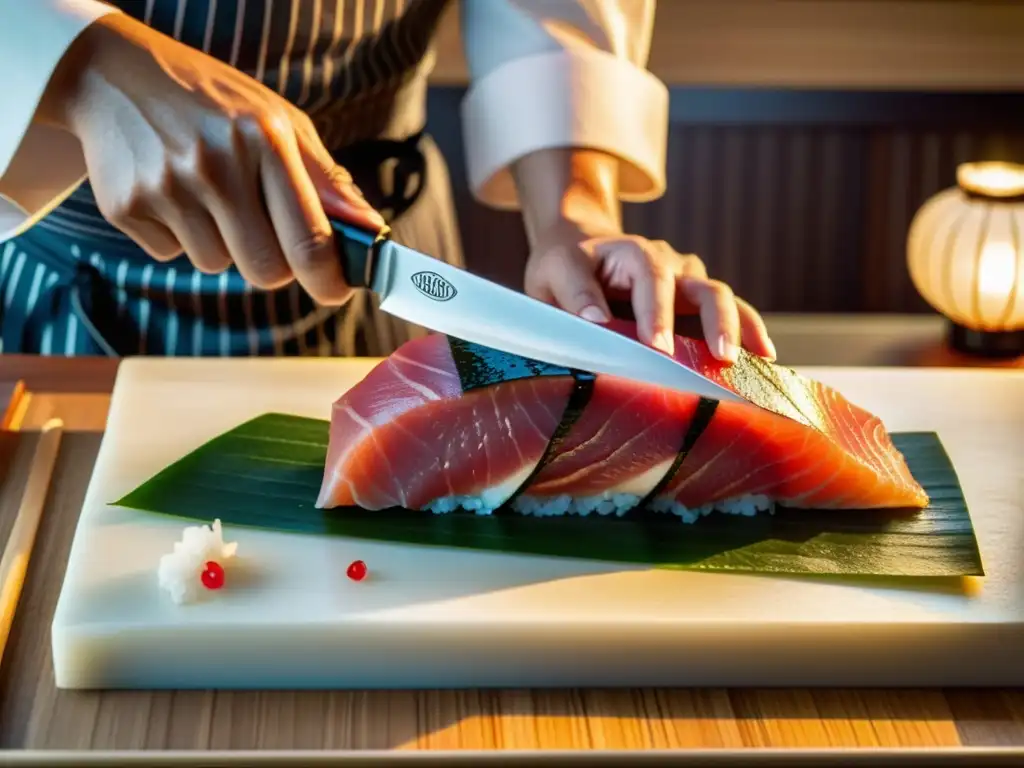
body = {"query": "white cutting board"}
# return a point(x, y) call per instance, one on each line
point(433, 617)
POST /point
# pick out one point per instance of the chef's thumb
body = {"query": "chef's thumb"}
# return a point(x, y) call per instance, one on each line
point(576, 290)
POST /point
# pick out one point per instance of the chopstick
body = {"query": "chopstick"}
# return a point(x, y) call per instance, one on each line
point(14, 564)
point(14, 408)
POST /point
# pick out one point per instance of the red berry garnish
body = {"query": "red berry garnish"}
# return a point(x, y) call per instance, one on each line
point(213, 576)
point(357, 570)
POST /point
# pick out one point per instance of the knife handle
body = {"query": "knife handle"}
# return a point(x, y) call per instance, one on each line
point(357, 249)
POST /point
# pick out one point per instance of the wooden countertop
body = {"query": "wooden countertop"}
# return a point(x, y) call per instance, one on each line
point(35, 717)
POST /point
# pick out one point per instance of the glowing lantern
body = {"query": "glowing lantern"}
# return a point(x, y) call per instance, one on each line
point(965, 253)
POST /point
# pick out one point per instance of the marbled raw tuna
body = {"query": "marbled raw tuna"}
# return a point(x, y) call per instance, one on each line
point(408, 435)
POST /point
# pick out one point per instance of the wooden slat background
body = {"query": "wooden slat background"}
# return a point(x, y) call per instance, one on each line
point(907, 44)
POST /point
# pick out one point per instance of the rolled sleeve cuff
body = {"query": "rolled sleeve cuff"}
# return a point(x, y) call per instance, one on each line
point(33, 39)
point(48, 167)
point(39, 165)
point(582, 99)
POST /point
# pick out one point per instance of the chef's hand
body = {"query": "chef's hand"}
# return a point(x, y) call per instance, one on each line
point(578, 265)
point(186, 153)
point(580, 258)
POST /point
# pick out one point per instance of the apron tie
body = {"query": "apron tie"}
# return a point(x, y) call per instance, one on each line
point(369, 163)
point(79, 288)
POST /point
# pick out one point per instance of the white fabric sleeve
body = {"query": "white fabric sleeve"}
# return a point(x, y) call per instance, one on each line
point(39, 165)
point(562, 73)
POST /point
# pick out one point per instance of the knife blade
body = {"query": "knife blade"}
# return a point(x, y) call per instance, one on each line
point(435, 295)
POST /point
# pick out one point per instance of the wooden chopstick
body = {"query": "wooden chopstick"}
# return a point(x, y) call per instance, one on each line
point(14, 408)
point(14, 564)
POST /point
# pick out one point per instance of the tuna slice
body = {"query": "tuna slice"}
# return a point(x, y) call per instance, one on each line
point(441, 425)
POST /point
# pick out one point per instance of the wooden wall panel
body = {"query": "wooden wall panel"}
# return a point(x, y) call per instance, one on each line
point(901, 44)
point(800, 201)
point(805, 218)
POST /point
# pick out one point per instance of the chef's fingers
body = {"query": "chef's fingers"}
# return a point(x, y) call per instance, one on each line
point(753, 331)
point(683, 265)
point(339, 195)
point(303, 230)
point(200, 237)
point(651, 280)
point(152, 236)
point(690, 264)
point(229, 187)
point(342, 199)
point(250, 237)
point(575, 288)
point(641, 268)
point(138, 213)
point(718, 313)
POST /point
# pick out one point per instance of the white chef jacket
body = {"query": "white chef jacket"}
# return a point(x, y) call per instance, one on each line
point(544, 74)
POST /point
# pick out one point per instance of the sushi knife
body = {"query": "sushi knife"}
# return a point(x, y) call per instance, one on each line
point(433, 294)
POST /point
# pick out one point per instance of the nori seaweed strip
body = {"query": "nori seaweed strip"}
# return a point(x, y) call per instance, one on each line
point(702, 416)
point(582, 390)
point(479, 366)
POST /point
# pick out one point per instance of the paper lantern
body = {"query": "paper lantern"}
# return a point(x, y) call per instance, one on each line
point(965, 254)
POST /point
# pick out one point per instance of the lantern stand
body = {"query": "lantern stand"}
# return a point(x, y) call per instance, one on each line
point(1006, 344)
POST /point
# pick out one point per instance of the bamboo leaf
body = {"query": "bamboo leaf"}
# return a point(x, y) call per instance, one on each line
point(266, 474)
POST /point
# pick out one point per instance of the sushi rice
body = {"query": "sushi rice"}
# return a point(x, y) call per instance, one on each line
point(618, 501)
point(607, 503)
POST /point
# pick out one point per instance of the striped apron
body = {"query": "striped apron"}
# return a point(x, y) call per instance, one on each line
point(75, 285)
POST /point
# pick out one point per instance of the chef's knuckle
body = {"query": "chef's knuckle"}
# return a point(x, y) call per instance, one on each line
point(312, 250)
point(260, 129)
point(657, 270)
point(640, 262)
point(692, 262)
point(720, 290)
point(304, 126)
point(160, 254)
point(116, 214)
point(203, 163)
point(746, 308)
point(168, 185)
point(339, 177)
point(583, 296)
point(633, 247)
point(265, 269)
point(122, 209)
point(277, 126)
point(212, 265)
point(246, 128)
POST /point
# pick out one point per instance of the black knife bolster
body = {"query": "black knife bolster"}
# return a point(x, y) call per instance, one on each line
point(358, 249)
